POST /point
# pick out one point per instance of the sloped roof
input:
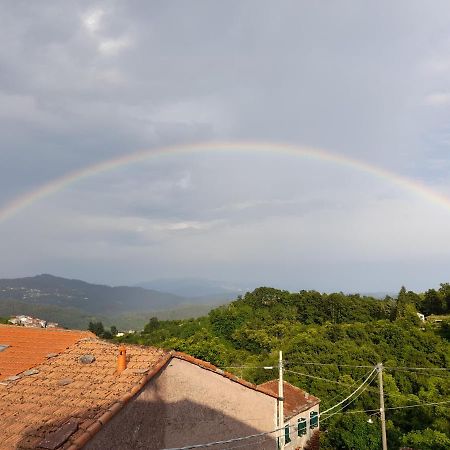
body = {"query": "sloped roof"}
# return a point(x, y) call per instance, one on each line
point(27, 347)
point(62, 403)
point(296, 400)
point(208, 366)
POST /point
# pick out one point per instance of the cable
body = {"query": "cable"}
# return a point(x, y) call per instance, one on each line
point(417, 405)
point(416, 368)
point(351, 385)
point(229, 441)
point(249, 367)
point(366, 386)
point(351, 401)
point(317, 378)
point(339, 365)
point(259, 441)
point(242, 438)
point(331, 364)
point(356, 390)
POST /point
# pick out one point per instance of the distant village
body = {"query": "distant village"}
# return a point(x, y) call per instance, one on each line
point(31, 322)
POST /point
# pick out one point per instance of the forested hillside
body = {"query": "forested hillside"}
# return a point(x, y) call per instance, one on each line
point(74, 303)
point(330, 343)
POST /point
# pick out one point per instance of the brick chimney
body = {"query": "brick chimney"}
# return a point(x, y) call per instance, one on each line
point(122, 359)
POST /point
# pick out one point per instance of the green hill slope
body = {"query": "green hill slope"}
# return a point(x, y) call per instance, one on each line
point(323, 337)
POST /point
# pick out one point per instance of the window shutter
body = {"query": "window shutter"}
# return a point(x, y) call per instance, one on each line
point(287, 436)
point(301, 426)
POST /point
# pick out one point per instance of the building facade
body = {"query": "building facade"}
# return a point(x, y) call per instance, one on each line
point(69, 390)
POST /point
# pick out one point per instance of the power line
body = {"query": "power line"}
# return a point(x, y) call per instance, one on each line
point(341, 365)
point(356, 390)
point(250, 367)
point(417, 405)
point(228, 441)
point(259, 441)
point(317, 378)
point(353, 384)
point(416, 368)
point(373, 375)
point(332, 364)
point(266, 433)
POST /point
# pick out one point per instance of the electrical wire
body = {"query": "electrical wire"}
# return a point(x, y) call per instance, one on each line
point(260, 435)
point(417, 405)
point(316, 377)
point(351, 401)
point(340, 365)
point(416, 368)
point(331, 364)
point(250, 367)
point(259, 441)
point(356, 390)
point(350, 386)
point(228, 441)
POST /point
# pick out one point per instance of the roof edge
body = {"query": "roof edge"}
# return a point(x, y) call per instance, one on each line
point(212, 368)
point(315, 401)
point(115, 408)
point(97, 425)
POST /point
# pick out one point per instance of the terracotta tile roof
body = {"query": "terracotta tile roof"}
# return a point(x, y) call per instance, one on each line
point(62, 403)
point(296, 400)
point(30, 346)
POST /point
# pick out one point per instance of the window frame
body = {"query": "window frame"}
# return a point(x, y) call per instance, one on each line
point(302, 431)
point(313, 420)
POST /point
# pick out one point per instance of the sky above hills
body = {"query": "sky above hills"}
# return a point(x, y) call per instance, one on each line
point(85, 82)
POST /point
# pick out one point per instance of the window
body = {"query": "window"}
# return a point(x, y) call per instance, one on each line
point(287, 436)
point(301, 426)
point(314, 419)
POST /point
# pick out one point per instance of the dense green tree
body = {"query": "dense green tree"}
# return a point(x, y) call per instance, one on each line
point(352, 432)
point(153, 324)
point(334, 330)
point(427, 440)
point(433, 302)
point(444, 291)
point(96, 328)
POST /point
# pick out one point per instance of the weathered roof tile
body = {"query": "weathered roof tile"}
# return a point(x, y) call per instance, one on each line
point(29, 347)
point(34, 407)
point(296, 400)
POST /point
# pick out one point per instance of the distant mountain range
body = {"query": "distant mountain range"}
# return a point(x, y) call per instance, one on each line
point(91, 298)
point(74, 302)
point(195, 288)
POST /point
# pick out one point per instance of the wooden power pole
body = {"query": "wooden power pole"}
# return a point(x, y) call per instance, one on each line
point(382, 416)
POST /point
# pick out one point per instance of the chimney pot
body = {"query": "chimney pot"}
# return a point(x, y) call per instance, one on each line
point(122, 359)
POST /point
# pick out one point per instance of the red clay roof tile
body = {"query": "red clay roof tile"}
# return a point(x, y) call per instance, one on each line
point(296, 400)
point(35, 406)
point(29, 347)
point(63, 391)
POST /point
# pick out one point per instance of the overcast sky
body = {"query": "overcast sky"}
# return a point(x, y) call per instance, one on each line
point(84, 82)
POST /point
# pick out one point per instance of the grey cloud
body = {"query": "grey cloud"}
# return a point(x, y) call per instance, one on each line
point(83, 82)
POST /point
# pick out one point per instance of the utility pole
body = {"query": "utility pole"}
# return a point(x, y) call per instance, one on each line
point(382, 417)
point(280, 402)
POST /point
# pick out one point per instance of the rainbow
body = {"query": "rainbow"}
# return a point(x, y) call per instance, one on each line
point(23, 201)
